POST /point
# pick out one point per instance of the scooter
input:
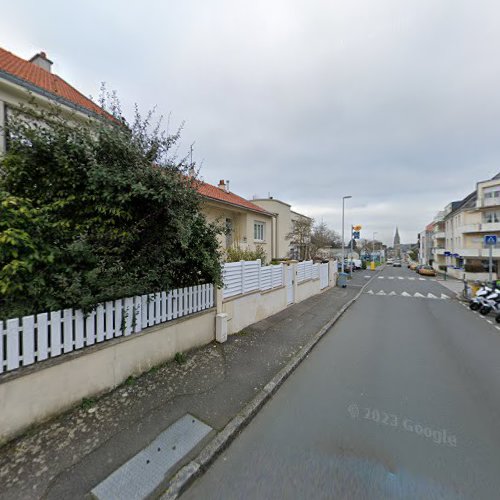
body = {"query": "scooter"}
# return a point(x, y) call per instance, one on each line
point(491, 303)
point(478, 301)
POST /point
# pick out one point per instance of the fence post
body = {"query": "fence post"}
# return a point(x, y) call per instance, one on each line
point(242, 264)
point(260, 268)
point(218, 299)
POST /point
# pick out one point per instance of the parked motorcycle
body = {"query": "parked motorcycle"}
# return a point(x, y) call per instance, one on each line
point(480, 299)
point(491, 303)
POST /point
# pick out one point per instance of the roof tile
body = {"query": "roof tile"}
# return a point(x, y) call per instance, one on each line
point(49, 82)
point(215, 193)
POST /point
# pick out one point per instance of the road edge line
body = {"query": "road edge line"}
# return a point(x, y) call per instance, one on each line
point(185, 476)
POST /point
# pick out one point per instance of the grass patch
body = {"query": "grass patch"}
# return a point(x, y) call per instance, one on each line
point(87, 403)
point(180, 357)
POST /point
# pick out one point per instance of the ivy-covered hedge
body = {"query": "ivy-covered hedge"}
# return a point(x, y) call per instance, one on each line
point(92, 211)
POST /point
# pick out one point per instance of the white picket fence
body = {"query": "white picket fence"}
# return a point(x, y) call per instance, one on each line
point(305, 271)
point(249, 276)
point(27, 340)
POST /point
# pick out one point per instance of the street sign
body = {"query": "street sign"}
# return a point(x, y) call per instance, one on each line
point(490, 239)
point(355, 235)
point(357, 228)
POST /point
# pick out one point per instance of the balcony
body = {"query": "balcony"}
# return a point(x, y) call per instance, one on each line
point(488, 202)
point(438, 251)
point(486, 227)
point(439, 235)
point(481, 253)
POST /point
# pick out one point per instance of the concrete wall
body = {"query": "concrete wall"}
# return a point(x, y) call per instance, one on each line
point(41, 391)
point(307, 289)
point(245, 310)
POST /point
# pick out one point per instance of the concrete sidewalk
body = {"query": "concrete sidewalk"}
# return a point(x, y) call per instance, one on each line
point(68, 456)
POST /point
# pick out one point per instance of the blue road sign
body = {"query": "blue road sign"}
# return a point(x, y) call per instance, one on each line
point(490, 239)
point(355, 235)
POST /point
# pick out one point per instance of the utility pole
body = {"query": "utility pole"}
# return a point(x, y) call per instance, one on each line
point(343, 210)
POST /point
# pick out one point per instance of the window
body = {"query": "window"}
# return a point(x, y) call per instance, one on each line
point(490, 217)
point(258, 231)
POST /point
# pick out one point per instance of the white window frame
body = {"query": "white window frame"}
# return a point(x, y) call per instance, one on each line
point(259, 229)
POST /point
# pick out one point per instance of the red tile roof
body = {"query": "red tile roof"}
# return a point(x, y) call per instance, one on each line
point(47, 81)
point(215, 193)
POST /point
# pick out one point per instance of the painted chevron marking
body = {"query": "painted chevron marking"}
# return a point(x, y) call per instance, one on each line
point(444, 296)
point(393, 293)
point(431, 296)
point(391, 277)
point(413, 279)
point(418, 295)
point(381, 293)
point(370, 292)
point(422, 279)
point(400, 278)
point(406, 294)
point(380, 277)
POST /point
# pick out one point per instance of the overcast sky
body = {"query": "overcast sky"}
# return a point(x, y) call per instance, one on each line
point(394, 102)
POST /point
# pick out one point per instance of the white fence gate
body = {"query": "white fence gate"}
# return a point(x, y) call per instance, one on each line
point(289, 286)
point(323, 276)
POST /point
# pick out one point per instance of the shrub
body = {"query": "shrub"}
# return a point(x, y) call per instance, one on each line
point(94, 211)
point(236, 253)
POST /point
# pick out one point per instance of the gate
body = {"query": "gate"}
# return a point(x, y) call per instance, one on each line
point(289, 284)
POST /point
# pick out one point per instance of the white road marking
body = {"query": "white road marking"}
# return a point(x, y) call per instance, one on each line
point(381, 293)
point(393, 293)
point(497, 327)
point(406, 294)
point(418, 295)
point(380, 277)
point(444, 296)
point(370, 292)
point(422, 279)
point(367, 276)
point(431, 296)
point(391, 277)
point(400, 278)
point(413, 279)
point(489, 321)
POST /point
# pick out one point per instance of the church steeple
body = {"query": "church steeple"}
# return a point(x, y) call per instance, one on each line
point(397, 244)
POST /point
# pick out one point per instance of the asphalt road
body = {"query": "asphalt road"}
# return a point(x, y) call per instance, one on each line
point(401, 399)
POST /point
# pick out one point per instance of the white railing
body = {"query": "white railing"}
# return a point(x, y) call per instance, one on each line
point(27, 340)
point(305, 270)
point(323, 275)
point(249, 276)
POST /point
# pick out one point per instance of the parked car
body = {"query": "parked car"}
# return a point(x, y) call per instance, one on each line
point(426, 271)
point(389, 261)
point(413, 266)
point(396, 263)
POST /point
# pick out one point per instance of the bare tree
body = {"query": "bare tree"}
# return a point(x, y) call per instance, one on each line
point(300, 238)
point(322, 237)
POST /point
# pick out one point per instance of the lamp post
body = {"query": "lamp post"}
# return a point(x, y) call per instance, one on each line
point(343, 209)
point(373, 247)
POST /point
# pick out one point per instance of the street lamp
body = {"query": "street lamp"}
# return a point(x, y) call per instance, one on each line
point(373, 247)
point(343, 209)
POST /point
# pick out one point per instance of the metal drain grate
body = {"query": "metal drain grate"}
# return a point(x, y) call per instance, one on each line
point(144, 472)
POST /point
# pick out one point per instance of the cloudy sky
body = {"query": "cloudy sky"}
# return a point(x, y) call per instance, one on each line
point(395, 102)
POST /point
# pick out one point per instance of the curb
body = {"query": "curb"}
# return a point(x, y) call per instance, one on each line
point(187, 474)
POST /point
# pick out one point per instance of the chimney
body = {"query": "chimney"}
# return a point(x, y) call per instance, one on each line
point(41, 61)
point(222, 185)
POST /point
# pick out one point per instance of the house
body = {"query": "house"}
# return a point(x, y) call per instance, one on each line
point(24, 80)
point(425, 245)
point(458, 233)
point(291, 230)
point(247, 225)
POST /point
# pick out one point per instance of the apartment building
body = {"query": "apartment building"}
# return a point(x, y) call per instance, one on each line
point(458, 233)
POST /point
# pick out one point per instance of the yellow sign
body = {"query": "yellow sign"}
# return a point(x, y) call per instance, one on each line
point(356, 228)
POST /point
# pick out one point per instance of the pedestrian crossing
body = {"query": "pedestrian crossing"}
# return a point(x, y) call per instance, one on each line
point(412, 278)
point(419, 295)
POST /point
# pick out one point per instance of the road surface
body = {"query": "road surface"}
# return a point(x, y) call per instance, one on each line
point(401, 399)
